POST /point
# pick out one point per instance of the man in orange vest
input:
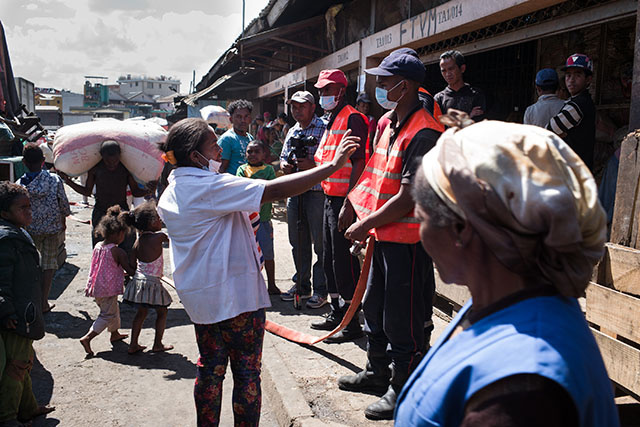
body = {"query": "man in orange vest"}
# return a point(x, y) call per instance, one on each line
point(341, 268)
point(397, 305)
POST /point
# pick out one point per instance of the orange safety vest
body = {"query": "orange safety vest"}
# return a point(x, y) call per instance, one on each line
point(338, 183)
point(437, 112)
point(381, 180)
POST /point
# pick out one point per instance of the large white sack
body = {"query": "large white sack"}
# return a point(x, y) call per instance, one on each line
point(76, 148)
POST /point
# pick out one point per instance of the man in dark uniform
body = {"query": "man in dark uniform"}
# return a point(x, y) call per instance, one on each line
point(401, 280)
point(341, 268)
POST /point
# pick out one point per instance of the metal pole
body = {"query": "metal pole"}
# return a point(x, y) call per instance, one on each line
point(243, 7)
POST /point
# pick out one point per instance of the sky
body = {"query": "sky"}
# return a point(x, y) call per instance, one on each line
point(55, 43)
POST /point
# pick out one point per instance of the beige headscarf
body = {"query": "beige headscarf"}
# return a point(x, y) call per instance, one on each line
point(527, 194)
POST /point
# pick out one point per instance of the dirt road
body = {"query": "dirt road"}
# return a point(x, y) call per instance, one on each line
point(113, 388)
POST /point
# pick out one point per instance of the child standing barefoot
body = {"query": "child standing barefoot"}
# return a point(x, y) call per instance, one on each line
point(106, 276)
point(145, 289)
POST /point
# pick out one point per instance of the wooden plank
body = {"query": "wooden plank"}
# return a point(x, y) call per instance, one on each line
point(621, 269)
point(614, 312)
point(457, 294)
point(634, 111)
point(622, 362)
point(625, 209)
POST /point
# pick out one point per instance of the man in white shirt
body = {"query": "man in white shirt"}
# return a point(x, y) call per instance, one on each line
point(548, 103)
point(215, 261)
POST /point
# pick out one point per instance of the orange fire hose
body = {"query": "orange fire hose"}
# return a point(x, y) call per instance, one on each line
point(304, 338)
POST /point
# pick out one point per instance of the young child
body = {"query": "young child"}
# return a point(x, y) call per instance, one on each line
point(106, 276)
point(21, 319)
point(145, 289)
point(50, 207)
point(255, 168)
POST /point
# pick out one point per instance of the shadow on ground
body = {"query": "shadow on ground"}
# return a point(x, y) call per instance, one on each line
point(66, 325)
point(63, 277)
point(42, 381)
point(165, 361)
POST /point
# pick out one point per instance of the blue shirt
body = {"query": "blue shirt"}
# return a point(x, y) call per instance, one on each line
point(316, 128)
point(234, 148)
point(546, 336)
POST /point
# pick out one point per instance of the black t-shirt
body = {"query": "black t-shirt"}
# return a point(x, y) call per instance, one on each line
point(423, 141)
point(464, 99)
point(577, 119)
point(358, 128)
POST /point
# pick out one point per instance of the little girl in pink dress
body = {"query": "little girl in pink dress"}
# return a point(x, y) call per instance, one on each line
point(106, 276)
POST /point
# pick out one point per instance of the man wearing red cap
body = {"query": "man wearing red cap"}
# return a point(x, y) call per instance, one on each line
point(341, 268)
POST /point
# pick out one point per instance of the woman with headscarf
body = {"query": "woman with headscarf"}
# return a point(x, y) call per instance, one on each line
point(511, 212)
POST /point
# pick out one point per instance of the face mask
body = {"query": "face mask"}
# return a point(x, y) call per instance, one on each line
point(212, 165)
point(328, 102)
point(381, 97)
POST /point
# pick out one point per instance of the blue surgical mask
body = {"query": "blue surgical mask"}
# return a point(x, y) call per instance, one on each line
point(328, 102)
point(383, 100)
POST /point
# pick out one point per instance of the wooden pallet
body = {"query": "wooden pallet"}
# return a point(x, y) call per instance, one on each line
point(612, 308)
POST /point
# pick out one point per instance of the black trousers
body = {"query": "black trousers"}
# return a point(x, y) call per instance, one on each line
point(340, 267)
point(396, 306)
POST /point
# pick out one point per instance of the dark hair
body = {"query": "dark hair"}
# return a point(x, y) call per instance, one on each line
point(185, 137)
point(113, 222)
point(439, 213)
point(143, 216)
point(109, 148)
point(9, 192)
point(549, 87)
point(238, 104)
point(456, 55)
point(32, 156)
point(282, 116)
point(259, 143)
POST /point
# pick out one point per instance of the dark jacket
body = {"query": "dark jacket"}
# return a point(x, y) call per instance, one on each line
point(20, 282)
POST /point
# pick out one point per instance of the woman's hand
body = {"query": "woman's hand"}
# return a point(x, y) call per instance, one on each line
point(347, 146)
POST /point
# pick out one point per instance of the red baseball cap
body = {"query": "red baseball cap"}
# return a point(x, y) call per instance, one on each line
point(331, 76)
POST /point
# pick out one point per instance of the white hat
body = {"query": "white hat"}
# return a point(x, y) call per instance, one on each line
point(301, 97)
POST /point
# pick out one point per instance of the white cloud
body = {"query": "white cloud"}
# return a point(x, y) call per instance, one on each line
point(59, 42)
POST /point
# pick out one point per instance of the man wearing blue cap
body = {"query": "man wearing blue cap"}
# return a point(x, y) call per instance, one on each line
point(548, 103)
point(401, 278)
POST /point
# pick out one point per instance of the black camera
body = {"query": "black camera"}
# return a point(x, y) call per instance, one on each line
point(299, 147)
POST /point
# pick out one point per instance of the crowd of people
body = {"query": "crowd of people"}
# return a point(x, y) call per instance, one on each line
point(429, 182)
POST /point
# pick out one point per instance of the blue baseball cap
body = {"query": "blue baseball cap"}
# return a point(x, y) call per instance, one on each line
point(546, 76)
point(400, 64)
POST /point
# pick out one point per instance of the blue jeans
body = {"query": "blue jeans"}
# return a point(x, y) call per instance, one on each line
point(312, 203)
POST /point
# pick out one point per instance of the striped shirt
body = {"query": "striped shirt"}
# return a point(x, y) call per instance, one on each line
point(577, 122)
point(569, 117)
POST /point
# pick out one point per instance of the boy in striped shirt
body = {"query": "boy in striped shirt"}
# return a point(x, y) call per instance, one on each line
point(576, 121)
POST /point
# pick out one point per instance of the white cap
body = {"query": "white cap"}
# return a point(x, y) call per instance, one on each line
point(301, 97)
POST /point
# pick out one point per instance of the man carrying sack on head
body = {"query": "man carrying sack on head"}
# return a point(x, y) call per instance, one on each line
point(341, 268)
point(397, 306)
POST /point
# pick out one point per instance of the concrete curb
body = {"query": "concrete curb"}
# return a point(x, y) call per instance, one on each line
point(289, 406)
